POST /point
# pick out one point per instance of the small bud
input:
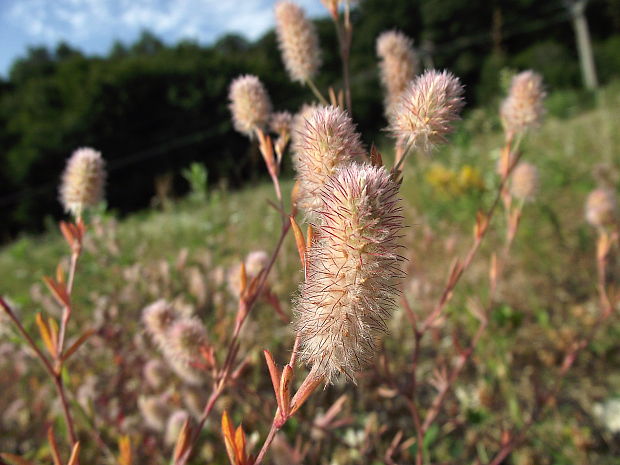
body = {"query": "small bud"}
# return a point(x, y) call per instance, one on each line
point(353, 270)
point(523, 108)
point(83, 181)
point(249, 104)
point(427, 108)
point(524, 181)
point(601, 208)
point(298, 41)
point(281, 122)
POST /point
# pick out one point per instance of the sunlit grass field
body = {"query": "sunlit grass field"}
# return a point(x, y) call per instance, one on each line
point(187, 250)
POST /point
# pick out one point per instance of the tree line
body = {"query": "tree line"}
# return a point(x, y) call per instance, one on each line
point(153, 108)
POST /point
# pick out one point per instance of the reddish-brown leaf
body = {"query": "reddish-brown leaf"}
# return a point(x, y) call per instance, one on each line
point(54, 446)
point(229, 438)
point(44, 331)
point(76, 345)
point(300, 241)
point(275, 375)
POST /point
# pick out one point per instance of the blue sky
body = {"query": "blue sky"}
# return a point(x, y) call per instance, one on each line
point(92, 25)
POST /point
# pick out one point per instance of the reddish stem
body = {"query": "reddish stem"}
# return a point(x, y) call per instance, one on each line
point(56, 377)
point(224, 376)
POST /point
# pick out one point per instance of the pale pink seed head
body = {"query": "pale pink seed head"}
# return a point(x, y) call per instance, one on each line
point(523, 108)
point(525, 181)
point(155, 373)
point(353, 271)
point(255, 262)
point(249, 104)
point(426, 110)
point(185, 371)
point(83, 181)
point(298, 41)
point(327, 141)
point(154, 411)
point(601, 208)
point(281, 122)
point(399, 63)
point(185, 339)
point(174, 425)
point(158, 318)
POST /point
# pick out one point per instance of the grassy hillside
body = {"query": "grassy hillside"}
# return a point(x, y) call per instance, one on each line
point(187, 251)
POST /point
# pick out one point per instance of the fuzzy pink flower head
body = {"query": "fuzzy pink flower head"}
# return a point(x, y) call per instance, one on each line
point(523, 108)
point(601, 208)
point(425, 111)
point(157, 318)
point(327, 141)
point(154, 411)
point(155, 373)
point(353, 271)
point(249, 104)
point(255, 262)
point(281, 122)
point(398, 66)
point(298, 41)
point(83, 181)
point(185, 339)
point(525, 181)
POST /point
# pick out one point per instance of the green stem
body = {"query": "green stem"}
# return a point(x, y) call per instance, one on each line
point(316, 92)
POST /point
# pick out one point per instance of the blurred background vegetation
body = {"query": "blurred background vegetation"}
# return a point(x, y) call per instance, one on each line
point(153, 109)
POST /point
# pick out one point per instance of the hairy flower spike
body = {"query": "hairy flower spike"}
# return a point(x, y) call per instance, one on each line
point(299, 121)
point(185, 339)
point(601, 208)
point(398, 66)
point(154, 373)
point(524, 181)
point(179, 337)
point(249, 104)
point(298, 41)
point(327, 141)
point(352, 273)
point(157, 318)
point(425, 111)
point(523, 108)
point(83, 181)
point(154, 410)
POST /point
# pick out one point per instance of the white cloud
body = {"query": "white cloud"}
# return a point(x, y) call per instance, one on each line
point(79, 21)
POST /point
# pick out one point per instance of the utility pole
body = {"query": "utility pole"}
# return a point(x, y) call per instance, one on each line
point(584, 43)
